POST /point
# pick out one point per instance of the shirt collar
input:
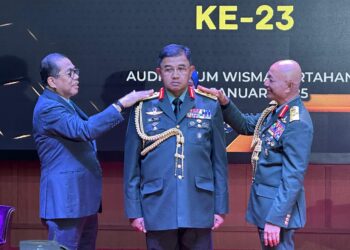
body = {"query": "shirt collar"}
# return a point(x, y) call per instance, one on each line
point(172, 97)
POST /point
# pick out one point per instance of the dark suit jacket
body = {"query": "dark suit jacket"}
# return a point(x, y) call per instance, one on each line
point(151, 189)
point(277, 195)
point(71, 176)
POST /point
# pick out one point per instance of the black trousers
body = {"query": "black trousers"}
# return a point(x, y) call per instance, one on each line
point(286, 240)
point(180, 239)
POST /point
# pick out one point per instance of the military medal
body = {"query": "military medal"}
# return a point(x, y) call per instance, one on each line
point(276, 130)
point(199, 114)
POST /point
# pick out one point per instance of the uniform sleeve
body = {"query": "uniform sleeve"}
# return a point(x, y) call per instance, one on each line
point(241, 123)
point(58, 120)
point(219, 161)
point(132, 178)
point(297, 140)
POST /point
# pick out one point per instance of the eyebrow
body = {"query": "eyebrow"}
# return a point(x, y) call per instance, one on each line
point(170, 66)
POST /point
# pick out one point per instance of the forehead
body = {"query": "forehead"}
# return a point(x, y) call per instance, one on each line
point(64, 63)
point(174, 61)
point(275, 72)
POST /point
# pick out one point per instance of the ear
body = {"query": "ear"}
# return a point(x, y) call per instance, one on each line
point(192, 68)
point(158, 72)
point(51, 82)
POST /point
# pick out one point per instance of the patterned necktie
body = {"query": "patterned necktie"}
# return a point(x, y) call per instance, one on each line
point(177, 102)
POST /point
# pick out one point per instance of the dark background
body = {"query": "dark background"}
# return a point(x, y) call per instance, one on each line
point(106, 39)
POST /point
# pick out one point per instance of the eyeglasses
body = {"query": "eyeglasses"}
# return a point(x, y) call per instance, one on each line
point(180, 70)
point(71, 72)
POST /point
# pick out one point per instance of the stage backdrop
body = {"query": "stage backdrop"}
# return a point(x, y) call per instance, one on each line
point(115, 44)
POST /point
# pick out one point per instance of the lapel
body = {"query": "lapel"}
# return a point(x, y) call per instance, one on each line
point(165, 105)
point(79, 111)
point(52, 95)
point(274, 118)
point(76, 110)
point(271, 121)
point(186, 106)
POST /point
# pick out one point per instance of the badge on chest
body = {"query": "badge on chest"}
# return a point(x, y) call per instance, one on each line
point(277, 129)
point(199, 114)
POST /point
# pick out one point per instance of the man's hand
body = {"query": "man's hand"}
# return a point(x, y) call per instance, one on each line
point(218, 220)
point(134, 96)
point(222, 98)
point(138, 224)
point(271, 235)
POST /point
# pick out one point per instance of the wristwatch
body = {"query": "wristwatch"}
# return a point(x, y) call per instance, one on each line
point(118, 105)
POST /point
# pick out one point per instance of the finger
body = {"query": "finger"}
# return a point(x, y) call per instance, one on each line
point(222, 92)
point(143, 227)
point(202, 88)
point(273, 241)
point(206, 90)
point(265, 239)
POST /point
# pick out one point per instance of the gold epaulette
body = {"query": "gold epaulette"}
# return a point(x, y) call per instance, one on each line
point(155, 95)
point(206, 94)
point(294, 114)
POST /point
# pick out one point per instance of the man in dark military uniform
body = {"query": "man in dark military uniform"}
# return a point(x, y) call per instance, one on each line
point(281, 147)
point(175, 171)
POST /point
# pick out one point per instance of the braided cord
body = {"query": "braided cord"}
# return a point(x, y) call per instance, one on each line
point(159, 138)
point(257, 142)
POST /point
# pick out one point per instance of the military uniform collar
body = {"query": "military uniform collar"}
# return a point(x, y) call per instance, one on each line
point(172, 97)
point(280, 108)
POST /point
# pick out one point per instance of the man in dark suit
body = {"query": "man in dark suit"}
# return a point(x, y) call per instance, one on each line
point(281, 147)
point(71, 176)
point(175, 166)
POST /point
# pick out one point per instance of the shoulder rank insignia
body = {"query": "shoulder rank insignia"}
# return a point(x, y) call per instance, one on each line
point(294, 114)
point(205, 94)
point(155, 95)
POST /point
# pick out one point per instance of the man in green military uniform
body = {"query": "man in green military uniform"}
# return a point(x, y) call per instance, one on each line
point(281, 147)
point(175, 171)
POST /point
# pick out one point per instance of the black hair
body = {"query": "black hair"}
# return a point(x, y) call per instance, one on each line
point(48, 66)
point(172, 50)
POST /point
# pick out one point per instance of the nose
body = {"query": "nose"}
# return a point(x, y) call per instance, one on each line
point(266, 82)
point(176, 73)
